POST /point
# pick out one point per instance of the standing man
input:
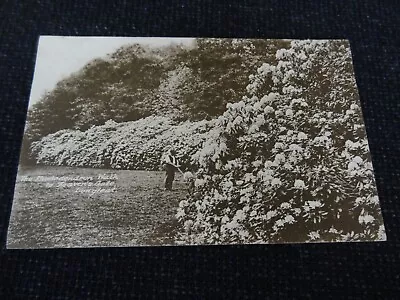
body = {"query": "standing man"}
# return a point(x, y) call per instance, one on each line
point(171, 165)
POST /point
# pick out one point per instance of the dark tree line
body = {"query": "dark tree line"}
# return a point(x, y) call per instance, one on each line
point(137, 81)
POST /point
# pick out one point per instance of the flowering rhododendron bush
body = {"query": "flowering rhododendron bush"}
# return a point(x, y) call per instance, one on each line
point(131, 145)
point(290, 162)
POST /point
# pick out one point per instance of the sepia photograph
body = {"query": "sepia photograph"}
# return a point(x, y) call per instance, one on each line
point(193, 141)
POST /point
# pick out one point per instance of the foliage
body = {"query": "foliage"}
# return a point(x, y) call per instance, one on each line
point(290, 161)
point(131, 145)
point(138, 81)
point(220, 69)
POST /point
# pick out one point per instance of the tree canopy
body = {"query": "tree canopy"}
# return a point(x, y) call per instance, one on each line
point(138, 81)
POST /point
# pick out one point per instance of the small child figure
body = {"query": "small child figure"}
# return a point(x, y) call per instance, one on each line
point(189, 178)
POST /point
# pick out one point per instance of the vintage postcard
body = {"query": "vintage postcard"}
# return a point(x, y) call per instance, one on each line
point(193, 141)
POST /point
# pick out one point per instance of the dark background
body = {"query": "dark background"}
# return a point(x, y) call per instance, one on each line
point(358, 270)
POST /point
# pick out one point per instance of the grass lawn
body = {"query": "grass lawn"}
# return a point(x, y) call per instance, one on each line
point(139, 212)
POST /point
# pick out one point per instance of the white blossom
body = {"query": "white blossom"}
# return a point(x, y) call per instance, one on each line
point(301, 136)
point(299, 184)
point(314, 235)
